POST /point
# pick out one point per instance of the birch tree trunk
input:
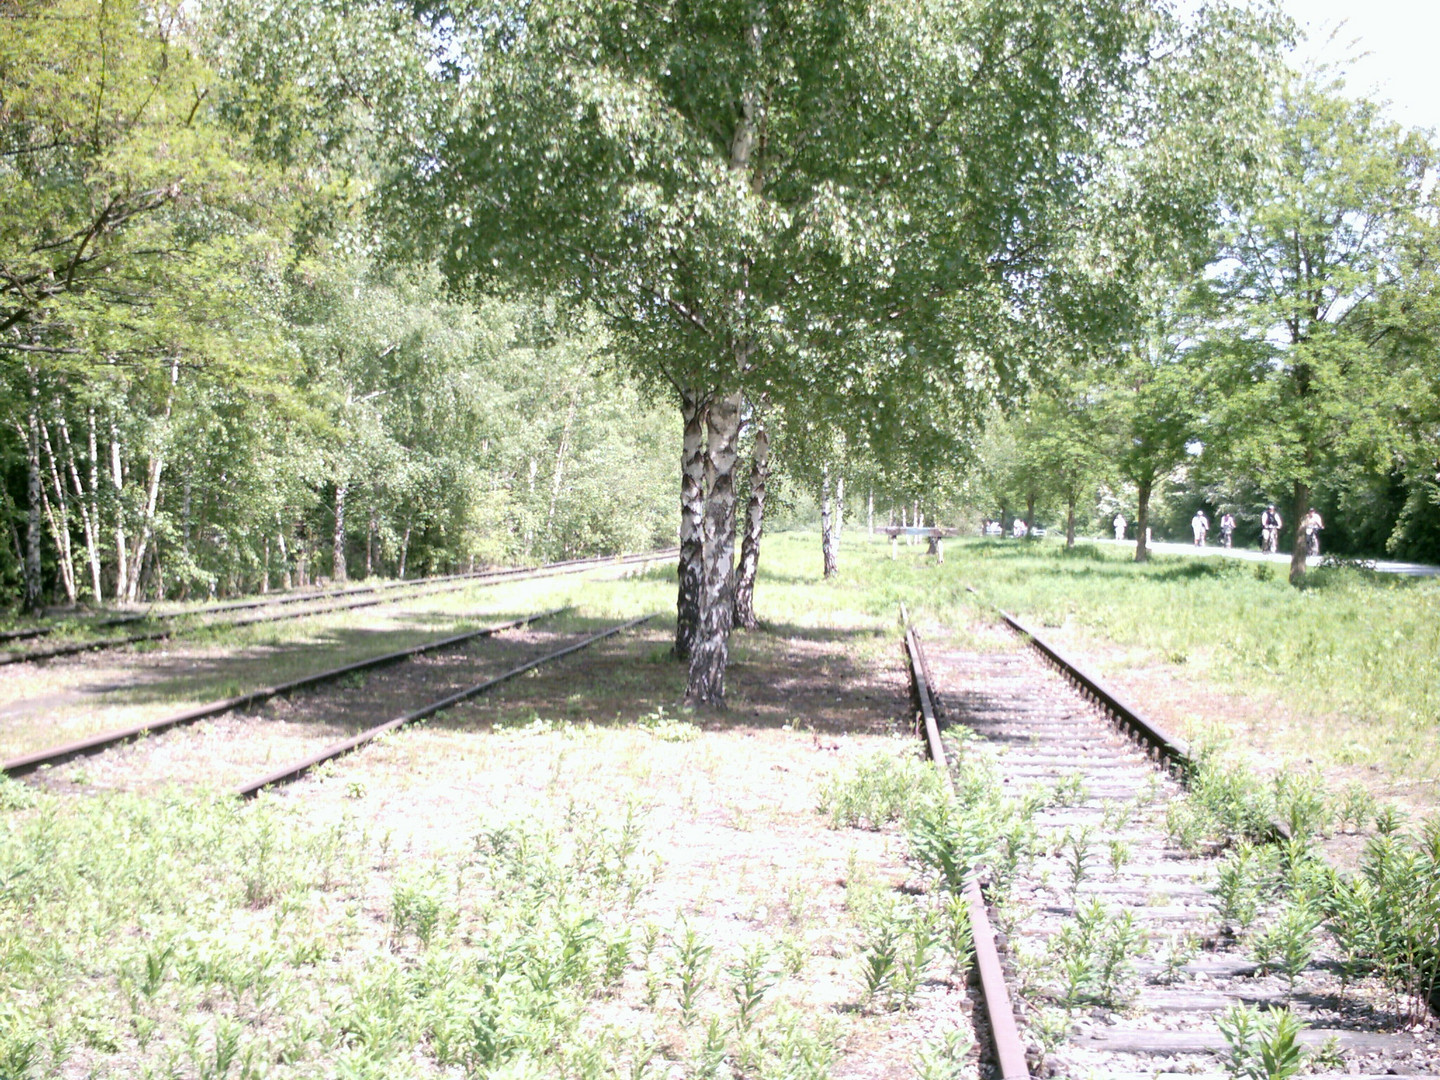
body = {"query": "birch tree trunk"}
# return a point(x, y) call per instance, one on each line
point(754, 527)
point(827, 525)
point(839, 509)
point(146, 532)
point(34, 585)
point(692, 512)
point(337, 544)
point(404, 550)
point(711, 650)
point(89, 524)
point(147, 525)
point(870, 511)
point(117, 480)
point(58, 515)
point(286, 582)
point(558, 481)
point(94, 497)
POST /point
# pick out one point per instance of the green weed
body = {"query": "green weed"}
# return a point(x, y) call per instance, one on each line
point(1263, 1045)
point(879, 789)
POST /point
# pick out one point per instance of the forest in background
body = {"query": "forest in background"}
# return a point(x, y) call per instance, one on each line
point(212, 386)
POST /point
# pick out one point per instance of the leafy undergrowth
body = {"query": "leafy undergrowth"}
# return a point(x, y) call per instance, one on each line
point(1384, 913)
point(189, 936)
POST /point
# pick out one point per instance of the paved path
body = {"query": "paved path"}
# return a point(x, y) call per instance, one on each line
point(1384, 566)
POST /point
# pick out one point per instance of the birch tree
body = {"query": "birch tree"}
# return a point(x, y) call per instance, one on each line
point(730, 184)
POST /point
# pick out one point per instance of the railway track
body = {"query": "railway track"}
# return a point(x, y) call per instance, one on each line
point(264, 722)
point(387, 592)
point(1116, 964)
point(95, 744)
point(299, 768)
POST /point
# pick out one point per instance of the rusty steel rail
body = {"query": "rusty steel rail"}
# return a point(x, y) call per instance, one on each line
point(20, 766)
point(300, 768)
point(419, 587)
point(1170, 749)
point(281, 599)
point(999, 1011)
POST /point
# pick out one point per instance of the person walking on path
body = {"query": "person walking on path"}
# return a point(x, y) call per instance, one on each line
point(1227, 528)
point(1119, 524)
point(1310, 526)
point(1200, 525)
point(1270, 529)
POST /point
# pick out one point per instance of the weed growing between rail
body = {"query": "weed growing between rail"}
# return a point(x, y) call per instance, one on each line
point(908, 940)
point(1384, 914)
point(190, 936)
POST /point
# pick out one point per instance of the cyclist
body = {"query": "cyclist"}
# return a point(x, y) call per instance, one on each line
point(1119, 524)
point(1270, 529)
point(1311, 525)
point(1200, 525)
point(1227, 529)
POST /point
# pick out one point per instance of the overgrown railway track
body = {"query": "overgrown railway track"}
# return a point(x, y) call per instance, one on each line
point(1116, 961)
point(94, 744)
point(459, 679)
point(177, 623)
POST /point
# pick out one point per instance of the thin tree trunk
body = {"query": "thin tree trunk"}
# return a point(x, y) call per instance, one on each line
point(839, 509)
point(94, 497)
point(34, 585)
point(558, 481)
point(1142, 523)
point(1070, 522)
point(370, 544)
point(153, 572)
point(870, 511)
point(754, 527)
point(89, 524)
point(337, 547)
point(58, 515)
point(404, 550)
point(286, 581)
point(152, 493)
point(265, 567)
point(186, 534)
point(117, 479)
point(11, 513)
point(827, 525)
point(147, 525)
point(692, 514)
point(711, 652)
point(1029, 514)
point(1298, 550)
